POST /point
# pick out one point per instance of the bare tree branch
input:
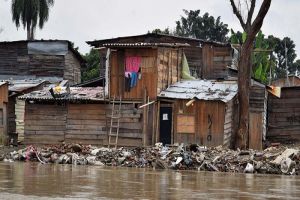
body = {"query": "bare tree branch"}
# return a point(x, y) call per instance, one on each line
point(257, 23)
point(250, 12)
point(238, 14)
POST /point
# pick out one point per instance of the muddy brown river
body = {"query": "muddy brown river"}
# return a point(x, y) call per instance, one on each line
point(35, 181)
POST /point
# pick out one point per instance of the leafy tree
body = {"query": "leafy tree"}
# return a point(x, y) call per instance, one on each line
point(93, 65)
point(30, 13)
point(262, 60)
point(295, 68)
point(203, 27)
point(166, 31)
point(251, 28)
point(279, 51)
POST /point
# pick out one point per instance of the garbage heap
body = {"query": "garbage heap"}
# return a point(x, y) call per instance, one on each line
point(273, 160)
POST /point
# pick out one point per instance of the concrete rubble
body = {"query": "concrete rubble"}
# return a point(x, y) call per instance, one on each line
point(273, 160)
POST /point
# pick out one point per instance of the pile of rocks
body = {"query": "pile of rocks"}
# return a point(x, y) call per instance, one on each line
point(273, 160)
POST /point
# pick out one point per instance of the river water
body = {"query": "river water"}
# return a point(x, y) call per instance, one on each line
point(36, 181)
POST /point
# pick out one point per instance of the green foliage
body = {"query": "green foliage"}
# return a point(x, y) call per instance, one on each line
point(93, 65)
point(194, 25)
point(203, 27)
point(166, 31)
point(279, 51)
point(262, 59)
point(29, 13)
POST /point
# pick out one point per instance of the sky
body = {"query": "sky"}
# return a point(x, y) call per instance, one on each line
point(86, 20)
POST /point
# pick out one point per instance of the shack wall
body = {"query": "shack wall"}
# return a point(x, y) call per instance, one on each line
point(229, 127)
point(80, 123)
point(284, 115)
point(258, 116)
point(16, 61)
point(195, 60)
point(204, 122)
point(72, 70)
point(11, 116)
point(3, 112)
point(45, 123)
point(168, 67)
point(215, 62)
point(148, 79)
point(87, 123)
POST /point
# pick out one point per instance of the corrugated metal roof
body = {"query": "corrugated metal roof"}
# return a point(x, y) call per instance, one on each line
point(21, 85)
point(2, 83)
point(99, 43)
point(145, 44)
point(76, 94)
point(70, 45)
point(202, 89)
point(9, 78)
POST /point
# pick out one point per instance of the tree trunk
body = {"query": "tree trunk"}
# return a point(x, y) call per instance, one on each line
point(32, 33)
point(244, 82)
point(28, 31)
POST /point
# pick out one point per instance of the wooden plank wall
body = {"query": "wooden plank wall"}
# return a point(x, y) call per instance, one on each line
point(86, 123)
point(80, 123)
point(15, 60)
point(168, 67)
point(195, 60)
point(72, 70)
point(11, 116)
point(203, 111)
point(258, 112)
point(44, 123)
point(19, 113)
point(148, 71)
point(44, 65)
point(255, 128)
point(284, 115)
point(215, 62)
point(3, 111)
point(229, 124)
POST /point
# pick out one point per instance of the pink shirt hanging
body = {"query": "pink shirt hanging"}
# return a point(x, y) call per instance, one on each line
point(133, 63)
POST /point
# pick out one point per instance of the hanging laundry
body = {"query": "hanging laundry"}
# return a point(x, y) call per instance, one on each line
point(133, 63)
point(127, 81)
point(134, 78)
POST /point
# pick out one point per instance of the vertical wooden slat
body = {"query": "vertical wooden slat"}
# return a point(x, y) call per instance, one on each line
point(255, 131)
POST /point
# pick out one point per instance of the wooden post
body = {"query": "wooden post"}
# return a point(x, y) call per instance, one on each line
point(157, 122)
point(154, 122)
point(145, 118)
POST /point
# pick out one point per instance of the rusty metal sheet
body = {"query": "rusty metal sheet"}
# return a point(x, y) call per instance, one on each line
point(202, 90)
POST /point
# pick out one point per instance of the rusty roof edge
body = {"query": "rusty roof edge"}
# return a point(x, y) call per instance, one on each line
point(99, 43)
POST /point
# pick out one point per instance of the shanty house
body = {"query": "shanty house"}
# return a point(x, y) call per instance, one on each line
point(40, 59)
point(80, 116)
point(16, 107)
point(161, 68)
point(162, 98)
point(3, 111)
point(290, 81)
point(28, 66)
point(202, 111)
point(284, 115)
point(160, 59)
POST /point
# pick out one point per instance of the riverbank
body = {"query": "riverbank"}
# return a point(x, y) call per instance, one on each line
point(273, 160)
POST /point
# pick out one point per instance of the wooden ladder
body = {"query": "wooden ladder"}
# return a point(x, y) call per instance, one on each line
point(114, 123)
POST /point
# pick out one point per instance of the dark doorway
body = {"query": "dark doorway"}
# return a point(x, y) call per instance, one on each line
point(165, 125)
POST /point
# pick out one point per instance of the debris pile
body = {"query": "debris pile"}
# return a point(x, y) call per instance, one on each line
point(273, 160)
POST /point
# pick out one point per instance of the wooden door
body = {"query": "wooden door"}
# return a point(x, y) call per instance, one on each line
point(255, 130)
